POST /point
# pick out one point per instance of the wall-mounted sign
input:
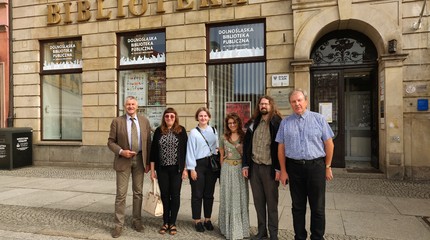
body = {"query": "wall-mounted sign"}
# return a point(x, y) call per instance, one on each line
point(61, 55)
point(280, 80)
point(143, 48)
point(280, 95)
point(236, 41)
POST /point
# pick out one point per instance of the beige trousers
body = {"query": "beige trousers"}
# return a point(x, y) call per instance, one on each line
point(122, 178)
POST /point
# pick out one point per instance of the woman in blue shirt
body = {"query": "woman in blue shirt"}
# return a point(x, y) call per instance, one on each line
point(202, 143)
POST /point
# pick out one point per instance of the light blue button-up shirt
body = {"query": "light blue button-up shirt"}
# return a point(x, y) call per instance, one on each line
point(304, 135)
point(197, 147)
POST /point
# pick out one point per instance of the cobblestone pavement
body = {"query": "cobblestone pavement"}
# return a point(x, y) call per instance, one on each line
point(21, 222)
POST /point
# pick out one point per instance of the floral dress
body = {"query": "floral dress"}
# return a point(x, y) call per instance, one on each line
point(233, 217)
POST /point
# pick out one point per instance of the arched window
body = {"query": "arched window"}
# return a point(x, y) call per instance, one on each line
point(343, 47)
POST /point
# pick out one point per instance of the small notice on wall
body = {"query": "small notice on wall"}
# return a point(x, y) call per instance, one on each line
point(281, 80)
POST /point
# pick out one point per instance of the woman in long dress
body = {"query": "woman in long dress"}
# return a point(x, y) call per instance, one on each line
point(233, 217)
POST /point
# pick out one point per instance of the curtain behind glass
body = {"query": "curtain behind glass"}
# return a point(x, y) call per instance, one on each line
point(62, 107)
point(234, 83)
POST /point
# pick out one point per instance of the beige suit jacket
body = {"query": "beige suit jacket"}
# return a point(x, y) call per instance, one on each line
point(118, 140)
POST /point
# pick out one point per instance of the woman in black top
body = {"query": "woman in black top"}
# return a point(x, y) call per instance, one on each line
point(167, 156)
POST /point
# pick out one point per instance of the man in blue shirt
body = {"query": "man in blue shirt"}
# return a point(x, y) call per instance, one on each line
point(305, 153)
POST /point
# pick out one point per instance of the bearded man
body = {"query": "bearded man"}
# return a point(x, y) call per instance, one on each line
point(260, 164)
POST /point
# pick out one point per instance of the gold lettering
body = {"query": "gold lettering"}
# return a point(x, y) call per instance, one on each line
point(100, 15)
point(205, 3)
point(120, 13)
point(67, 12)
point(54, 16)
point(84, 13)
point(160, 6)
point(131, 7)
point(188, 6)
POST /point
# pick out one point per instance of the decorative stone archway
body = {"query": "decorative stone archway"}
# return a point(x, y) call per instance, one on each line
point(380, 28)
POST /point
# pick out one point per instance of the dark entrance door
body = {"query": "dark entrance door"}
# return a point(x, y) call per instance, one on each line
point(344, 89)
point(347, 99)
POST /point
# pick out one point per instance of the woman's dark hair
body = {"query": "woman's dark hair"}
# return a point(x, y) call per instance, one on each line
point(227, 131)
point(176, 128)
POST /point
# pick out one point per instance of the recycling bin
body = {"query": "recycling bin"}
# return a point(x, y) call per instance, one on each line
point(16, 147)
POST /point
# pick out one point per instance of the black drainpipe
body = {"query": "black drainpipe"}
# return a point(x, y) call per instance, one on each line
point(11, 113)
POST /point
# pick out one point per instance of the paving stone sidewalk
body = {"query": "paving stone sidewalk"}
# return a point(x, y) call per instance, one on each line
point(40, 222)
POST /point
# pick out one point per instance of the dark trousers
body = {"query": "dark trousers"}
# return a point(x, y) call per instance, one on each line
point(170, 181)
point(307, 181)
point(265, 193)
point(202, 190)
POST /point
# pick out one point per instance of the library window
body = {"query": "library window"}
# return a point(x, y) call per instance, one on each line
point(142, 73)
point(62, 90)
point(236, 70)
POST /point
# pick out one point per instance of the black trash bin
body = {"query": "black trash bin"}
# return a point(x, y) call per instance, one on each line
point(16, 147)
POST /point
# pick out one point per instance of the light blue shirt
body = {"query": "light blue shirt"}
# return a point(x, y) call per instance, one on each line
point(197, 147)
point(304, 136)
point(129, 131)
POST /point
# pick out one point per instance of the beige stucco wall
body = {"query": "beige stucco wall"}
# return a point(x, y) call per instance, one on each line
point(292, 28)
point(185, 63)
point(401, 155)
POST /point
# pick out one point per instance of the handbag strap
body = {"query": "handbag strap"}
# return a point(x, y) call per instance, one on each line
point(198, 129)
point(154, 187)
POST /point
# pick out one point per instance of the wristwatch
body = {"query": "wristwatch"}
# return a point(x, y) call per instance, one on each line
point(327, 166)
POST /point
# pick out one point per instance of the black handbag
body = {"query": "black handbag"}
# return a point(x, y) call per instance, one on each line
point(214, 158)
point(215, 163)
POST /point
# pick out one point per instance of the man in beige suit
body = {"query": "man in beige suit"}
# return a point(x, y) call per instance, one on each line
point(129, 159)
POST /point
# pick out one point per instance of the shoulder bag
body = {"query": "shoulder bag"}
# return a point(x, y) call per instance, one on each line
point(214, 158)
point(153, 204)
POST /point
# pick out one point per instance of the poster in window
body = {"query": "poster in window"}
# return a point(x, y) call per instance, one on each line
point(236, 41)
point(136, 85)
point(143, 48)
point(326, 109)
point(243, 109)
point(61, 55)
point(157, 89)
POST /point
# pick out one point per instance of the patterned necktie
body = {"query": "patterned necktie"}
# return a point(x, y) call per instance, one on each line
point(134, 137)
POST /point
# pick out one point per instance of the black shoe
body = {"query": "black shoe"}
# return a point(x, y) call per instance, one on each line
point(209, 226)
point(259, 236)
point(199, 227)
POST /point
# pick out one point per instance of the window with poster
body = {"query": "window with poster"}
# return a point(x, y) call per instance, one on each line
point(61, 72)
point(142, 72)
point(236, 69)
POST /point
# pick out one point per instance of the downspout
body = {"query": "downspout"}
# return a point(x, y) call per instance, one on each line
point(417, 25)
point(11, 113)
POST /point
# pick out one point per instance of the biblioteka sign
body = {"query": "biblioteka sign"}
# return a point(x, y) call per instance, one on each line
point(135, 8)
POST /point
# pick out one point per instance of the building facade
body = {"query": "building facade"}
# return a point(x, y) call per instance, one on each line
point(365, 65)
point(4, 62)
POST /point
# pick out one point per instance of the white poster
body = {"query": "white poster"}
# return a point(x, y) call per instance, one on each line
point(326, 109)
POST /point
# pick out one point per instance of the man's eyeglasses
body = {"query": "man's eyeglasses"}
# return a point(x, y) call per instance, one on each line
point(171, 116)
point(264, 104)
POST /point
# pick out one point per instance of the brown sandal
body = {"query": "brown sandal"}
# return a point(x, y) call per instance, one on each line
point(173, 230)
point(163, 229)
